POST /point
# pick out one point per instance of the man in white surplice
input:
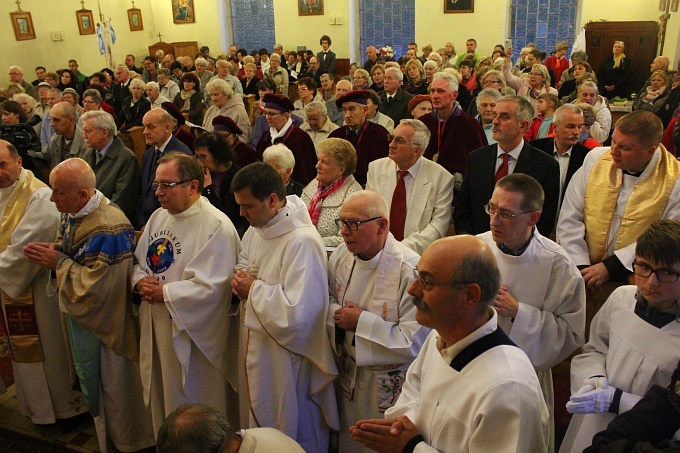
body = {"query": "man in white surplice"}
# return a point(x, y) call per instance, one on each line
point(43, 386)
point(541, 303)
point(287, 380)
point(183, 260)
point(371, 318)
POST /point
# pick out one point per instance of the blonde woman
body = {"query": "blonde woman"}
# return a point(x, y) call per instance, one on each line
point(616, 73)
point(530, 88)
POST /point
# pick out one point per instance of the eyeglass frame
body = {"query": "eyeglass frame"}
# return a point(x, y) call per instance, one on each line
point(168, 185)
point(273, 113)
point(655, 272)
point(393, 138)
point(340, 222)
point(501, 215)
point(427, 285)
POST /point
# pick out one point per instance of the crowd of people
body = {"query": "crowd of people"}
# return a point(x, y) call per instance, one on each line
point(400, 254)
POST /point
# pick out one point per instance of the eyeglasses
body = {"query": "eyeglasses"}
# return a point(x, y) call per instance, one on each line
point(427, 285)
point(272, 113)
point(353, 225)
point(168, 185)
point(399, 140)
point(663, 275)
point(503, 215)
point(489, 82)
point(301, 88)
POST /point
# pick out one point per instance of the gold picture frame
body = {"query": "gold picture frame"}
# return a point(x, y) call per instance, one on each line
point(86, 25)
point(459, 6)
point(23, 25)
point(310, 7)
point(135, 19)
point(183, 11)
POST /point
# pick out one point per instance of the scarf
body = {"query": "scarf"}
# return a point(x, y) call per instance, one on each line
point(186, 96)
point(317, 200)
point(651, 95)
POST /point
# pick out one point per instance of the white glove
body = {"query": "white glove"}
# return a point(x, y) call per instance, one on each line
point(594, 397)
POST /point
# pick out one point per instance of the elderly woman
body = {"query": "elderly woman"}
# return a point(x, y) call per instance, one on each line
point(430, 68)
point(278, 74)
point(378, 77)
point(134, 108)
point(416, 82)
point(28, 105)
point(306, 88)
point(588, 93)
point(226, 103)
point(420, 105)
point(537, 83)
point(362, 81)
point(202, 72)
point(616, 73)
point(249, 81)
point(215, 154)
point(374, 116)
point(190, 98)
point(655, 94)
point(283, 161)
point(318, 125)
point(337, 160)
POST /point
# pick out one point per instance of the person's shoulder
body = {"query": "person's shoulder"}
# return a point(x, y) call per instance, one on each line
point(545, 144)
point(483, 152)
point(176, 145)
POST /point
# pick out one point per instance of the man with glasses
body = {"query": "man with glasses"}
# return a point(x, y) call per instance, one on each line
point(541, 302)
point(277, 108)
point(182, 276)
point(373, 317)
point(633, 345)
point(418, 191)
point(288, 369)
point(470, 388)
point(16, 74)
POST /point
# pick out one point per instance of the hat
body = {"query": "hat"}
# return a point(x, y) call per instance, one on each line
point(173, 110)
point(70, 90)
point(417, 100)
point(358, 96)
point(225, 124)
point(44, 84)
point(278, 102)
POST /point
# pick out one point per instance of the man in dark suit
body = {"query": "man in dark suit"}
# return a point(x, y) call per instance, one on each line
point(564, 146)
point(326, 57)
point(158, 125)
point(315, 72)
point(511, 154)
point(121, 89)
point(393, 99)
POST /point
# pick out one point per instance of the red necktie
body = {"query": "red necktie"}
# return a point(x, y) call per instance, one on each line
point(503, 169)
point(398, 209)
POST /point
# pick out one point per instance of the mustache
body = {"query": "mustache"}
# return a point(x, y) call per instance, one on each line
point(420, 303)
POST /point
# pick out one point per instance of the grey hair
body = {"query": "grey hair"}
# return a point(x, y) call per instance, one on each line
point(200, 61)
point(480, 268)
point(153, 85)
point(524, 109)
point(221, 85)
point(101, 120)
point(589, 84)
point(137, 83)
point(164, 72)
point(280, 154)
point(276, 57)
point(56, 91)
point(453, 81)
point(421, 133)
point(94, 94)
point(429, 63)
point(434, 56)
point(487, 93)
point(317, 106)
point(123, 68)
point(396, 72)
point(571, 108)
point(579, 55)
point(374, 204)
point(28, 98)
point(194, 428)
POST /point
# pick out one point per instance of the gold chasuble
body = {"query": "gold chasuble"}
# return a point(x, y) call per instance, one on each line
point(22, 326)
point(646, 204)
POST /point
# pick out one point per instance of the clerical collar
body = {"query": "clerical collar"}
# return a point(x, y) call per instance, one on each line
point(519, 252)
point(655, 317)
point(635, 174)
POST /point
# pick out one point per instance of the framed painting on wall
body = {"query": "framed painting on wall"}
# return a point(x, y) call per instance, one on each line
point(310, 7)
point(85, 22)
point(459, 6)
point(135, 19)
point(23, 25)
point(183, 12)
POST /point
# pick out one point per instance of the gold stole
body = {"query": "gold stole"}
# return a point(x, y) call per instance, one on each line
point(646, 204)
point(22, 326)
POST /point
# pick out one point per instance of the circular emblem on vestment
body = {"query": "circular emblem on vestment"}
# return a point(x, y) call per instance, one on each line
point(160, 255)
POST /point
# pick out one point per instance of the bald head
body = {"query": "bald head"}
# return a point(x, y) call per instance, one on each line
point(72, 184)
point(64, 109)
point(660, 63)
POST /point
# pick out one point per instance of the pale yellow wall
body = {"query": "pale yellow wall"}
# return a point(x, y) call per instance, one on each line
point(293, 30)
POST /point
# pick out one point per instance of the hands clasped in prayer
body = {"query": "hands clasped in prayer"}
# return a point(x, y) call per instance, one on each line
point(45, 254)
point(151, 290)
point(241, 283)
point(347, 317)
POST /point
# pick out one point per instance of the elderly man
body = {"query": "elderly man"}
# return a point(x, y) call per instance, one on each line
point(166, 86)
point(470, 388)
point(197, 427)
point(318, 125)
point(121, 88)
point(486, 102)
point(485, 166)
point(564, 146)
point(54, 96)
point(158, 127)
point(371, 317)
point(545, 316)
point(282, 283)
point(393, 99)
point(224, 69)
point(326, 90)
point(659, 63)
point(454, 133)
point(167, 61)
point(116, 167)
point(180, 275)
point(418, 191)
point(372, 57)
point(152, 91)
point(314, 71)
point(283, 161)
point(43, 107)
point(277, 110)
point(335, 112)
point(72, 97)
point(369, 139)
point(92, 260)
point(16, 75)
point(615, 196)
point(39, 360)
point(67, 140)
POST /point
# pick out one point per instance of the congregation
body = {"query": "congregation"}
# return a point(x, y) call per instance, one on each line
point(392, 259)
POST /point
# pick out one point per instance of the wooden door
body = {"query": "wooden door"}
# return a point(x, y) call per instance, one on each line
point(186, 48)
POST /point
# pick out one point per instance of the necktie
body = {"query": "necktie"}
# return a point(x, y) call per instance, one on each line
point(98, 157)
point(398, 208)
point(353, 136)
point(503, 169)
point(156, 157)
point(389, 99)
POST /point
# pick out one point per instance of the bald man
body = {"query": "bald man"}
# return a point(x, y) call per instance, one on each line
point(659, 63)
point(67, 140)
point(92, 261)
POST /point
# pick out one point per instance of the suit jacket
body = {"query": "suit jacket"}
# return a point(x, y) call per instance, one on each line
point(117, 176)
point(317, 75)
point(429, 210)
point(329, 63)
point(120, 92)
point(302, 146)
point(578, 153)
point(398, 108)
point(147, 201)
point(478, 184)
point(131, 116)
point(50, 156)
